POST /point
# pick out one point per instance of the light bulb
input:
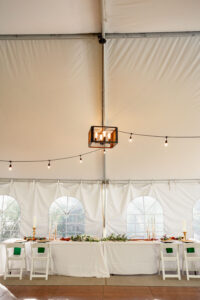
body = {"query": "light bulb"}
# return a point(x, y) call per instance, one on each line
point(49, 165)
point(130, 138)
point(81, 160)
point(104, 133)
point(166, 142)
point(96, 135)
point(10, 166)
point(109, 135)
point(101, 137)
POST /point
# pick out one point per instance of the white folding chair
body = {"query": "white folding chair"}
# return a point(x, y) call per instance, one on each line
point(15, 253)
point(191, 259)
point(40, 253)
point(169, 252)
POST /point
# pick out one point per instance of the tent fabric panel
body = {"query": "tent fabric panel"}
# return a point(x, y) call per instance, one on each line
point(153, 87)
point(128, 16)
point(49, 16)
point(176, 199)
point(50, 95)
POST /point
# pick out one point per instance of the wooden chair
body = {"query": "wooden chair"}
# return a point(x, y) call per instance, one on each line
point(169, 253)
point(15, 252)
point(191, 259)
point(40, 252)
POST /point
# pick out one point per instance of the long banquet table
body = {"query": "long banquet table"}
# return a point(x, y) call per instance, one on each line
point(128, 258)
point(97, 259)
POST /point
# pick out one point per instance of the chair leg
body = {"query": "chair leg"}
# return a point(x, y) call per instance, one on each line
point(6, 270)
point(163, 268)
point(21, 270)
point(159, 267)
point(31, 272)
point(47, 269)
point(186, 266)
point(183, 264)
point(178, 267)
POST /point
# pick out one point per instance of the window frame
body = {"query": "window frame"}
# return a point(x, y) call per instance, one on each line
point(73, 224)
point(134, 233)
point(2, 222)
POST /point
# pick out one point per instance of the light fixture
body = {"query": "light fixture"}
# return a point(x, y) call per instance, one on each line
point(102, 137)
point(166, 142)
point(10, 166)
point(49, 164)
point(81, 160)
point(130, 138)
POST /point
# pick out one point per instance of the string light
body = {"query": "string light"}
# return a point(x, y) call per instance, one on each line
point(166, 142)
point(104, 151)
point(130, 138)
point(10, 166)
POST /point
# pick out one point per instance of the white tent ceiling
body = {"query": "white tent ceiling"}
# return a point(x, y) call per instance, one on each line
point(50, 89)
point(83, 16)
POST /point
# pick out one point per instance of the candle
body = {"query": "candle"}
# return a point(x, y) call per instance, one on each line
point(34, 221)
point(184, 226)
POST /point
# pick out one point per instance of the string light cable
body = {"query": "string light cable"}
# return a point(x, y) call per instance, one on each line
point(48, 161)
point(80, 156)
point(166, 138)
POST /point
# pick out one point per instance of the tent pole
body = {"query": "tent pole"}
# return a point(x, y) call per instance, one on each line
point(104, 119)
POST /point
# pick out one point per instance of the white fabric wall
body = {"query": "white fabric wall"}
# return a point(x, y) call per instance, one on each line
point(176, 199)
point(35, 199)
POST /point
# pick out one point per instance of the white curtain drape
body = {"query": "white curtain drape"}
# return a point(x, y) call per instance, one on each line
point(176, 199)
point(35, 199)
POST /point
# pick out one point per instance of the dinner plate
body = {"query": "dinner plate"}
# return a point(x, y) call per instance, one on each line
point(167, 242)
point(188, 241)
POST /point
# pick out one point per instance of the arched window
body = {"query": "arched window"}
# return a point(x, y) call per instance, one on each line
point(9, 218)
point(142, 213)
point(196, 220)
point(68, 215)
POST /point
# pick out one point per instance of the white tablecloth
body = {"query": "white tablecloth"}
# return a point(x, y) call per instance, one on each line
point(82, 259)
point(127, 258)
point(85, 259)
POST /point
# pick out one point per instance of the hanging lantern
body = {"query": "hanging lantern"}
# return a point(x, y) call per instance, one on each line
point(102, 137)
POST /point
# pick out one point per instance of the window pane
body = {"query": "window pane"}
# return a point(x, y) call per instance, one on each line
point(68, 214)
point(9, 218)
point(142, 213)
point(196, 220)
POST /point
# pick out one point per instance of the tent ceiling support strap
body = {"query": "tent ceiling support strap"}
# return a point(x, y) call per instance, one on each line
point(94, 35)
point(100, 181)
point(151, 34)
point(47, 36)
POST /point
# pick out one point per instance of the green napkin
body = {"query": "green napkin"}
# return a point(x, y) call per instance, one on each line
point(169, 250)
point(190, 250)
point(41, 250)
point(17, 251)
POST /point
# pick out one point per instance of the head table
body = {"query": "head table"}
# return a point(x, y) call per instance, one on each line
point(97, 259)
